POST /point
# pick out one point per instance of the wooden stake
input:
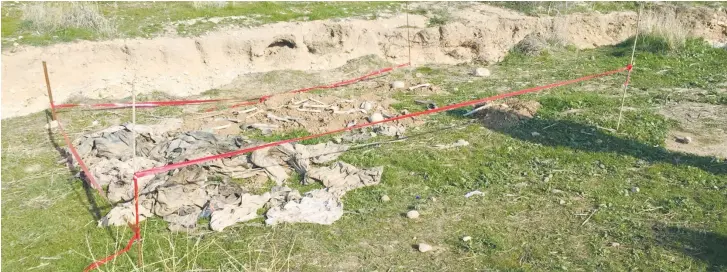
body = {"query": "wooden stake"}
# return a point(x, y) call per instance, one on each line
point(50, 93)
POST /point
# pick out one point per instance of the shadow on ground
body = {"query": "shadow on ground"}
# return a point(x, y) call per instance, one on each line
point(588, 138)
point(708, 247)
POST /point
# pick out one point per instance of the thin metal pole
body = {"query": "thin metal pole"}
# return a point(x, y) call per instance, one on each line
point(628, 74)
point(408, 39)
point(50, 93)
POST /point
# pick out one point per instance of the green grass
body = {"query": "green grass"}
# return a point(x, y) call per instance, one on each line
point(676, 221)
point(147, 19)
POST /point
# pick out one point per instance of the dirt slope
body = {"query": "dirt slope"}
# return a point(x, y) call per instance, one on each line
point(188, 66)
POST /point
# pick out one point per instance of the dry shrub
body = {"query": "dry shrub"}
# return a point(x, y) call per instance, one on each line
point(209, 4)
point(49, 16)
point(664, 23)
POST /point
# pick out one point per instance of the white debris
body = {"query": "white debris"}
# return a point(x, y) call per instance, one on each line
point(458, 143)
point(398, 84)
point(481, 72)
point(474, 193)
point(467, 238)
point(635, 189)
point(385, 198)
point(376, 117)
point(413, 214)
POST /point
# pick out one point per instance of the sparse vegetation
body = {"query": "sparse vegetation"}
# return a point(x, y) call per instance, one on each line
point(575, 196)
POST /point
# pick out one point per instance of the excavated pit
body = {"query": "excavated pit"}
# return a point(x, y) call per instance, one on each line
point(183, 66)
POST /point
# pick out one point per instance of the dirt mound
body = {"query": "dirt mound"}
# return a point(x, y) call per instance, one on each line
point(314, 113)
point(498, 116)
point(188, 66)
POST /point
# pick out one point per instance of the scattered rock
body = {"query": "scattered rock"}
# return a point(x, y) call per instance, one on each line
point(684, 140)
point(15, 44)
point(398, 84)
point(481, 72)
point(53, 124)
point(556, 191)
point(635, 189)
point(376, 117)
point(367, 106)
point(424, 247)
point(614, 244)
point(385, 198)
point(412, 214)
point(467, 238)
point(547, 178)
point(561, 202)
point(535, 134)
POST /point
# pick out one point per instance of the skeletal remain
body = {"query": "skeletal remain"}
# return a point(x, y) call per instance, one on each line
point(479, 109)
point(248, 110)
point(319, 102)
point(256, 113)
point(309, 110)
point(276, 118)
point(306, 105)
point(420, 86)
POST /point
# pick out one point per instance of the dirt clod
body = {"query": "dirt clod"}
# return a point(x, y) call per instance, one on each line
point(497, 116)
point(684, 140)
point(412, 214)
point(424, 247)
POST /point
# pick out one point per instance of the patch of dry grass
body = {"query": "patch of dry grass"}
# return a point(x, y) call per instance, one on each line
point(47, 17)
point(664, 22)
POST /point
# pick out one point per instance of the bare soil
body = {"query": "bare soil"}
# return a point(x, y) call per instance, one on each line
point(182, 66)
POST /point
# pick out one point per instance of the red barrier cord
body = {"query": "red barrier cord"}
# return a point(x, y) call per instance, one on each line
point(77, 157)
point(156, 170)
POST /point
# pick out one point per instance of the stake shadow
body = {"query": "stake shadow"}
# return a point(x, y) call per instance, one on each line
point(593, 139)
point(94, 209)
point(706, 246)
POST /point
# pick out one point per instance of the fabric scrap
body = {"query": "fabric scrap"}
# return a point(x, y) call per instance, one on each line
point(317, 206)
point(245, 210)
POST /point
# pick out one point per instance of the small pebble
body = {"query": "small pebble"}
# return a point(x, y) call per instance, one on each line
point(385, 198)
point(556, 191)
point(466, 238)
point(15, 44)
point(433, 199)
point(398, 84)
point(376, 117)
point(599, 141)
point(481, 72)
point(635, 189)
point(614, 244)
point(561, 202)
point(94, 123)
point(412, 214)
point(535, 134)
point(424, 247)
